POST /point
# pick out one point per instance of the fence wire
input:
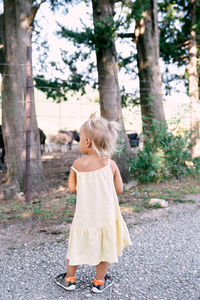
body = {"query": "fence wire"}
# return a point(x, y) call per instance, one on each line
point(72, 118)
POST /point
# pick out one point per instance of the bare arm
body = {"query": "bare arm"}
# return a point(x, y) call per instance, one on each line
point(117, 178)
point(72, 181)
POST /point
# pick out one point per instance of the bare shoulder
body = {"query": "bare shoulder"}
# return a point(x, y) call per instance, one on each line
point(79, 163)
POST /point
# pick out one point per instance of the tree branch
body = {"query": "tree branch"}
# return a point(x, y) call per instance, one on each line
point(127, 35)
point(33, 13)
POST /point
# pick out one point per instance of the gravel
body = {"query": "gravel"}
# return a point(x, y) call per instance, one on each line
point(163, 263)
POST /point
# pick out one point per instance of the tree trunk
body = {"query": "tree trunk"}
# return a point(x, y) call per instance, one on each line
point(193, 83)
point(147, 41)
point(17, 37)
point(107, 66)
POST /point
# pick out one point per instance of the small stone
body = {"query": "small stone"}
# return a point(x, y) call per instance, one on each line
point(161, 202)
point(88, 295)
point(130, 185)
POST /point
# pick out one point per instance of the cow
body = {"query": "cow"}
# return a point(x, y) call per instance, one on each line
point(2, 159)
point(42, 140)
point(2, 147)
point(61, 141)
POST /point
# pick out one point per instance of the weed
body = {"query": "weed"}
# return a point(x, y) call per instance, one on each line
point(153, 206)
point(183, 201)
point(18, 216)
point(71, 198)
point(127, 191)
point(137, 207)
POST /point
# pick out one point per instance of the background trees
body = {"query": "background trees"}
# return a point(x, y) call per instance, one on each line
point(146, 36)
point(179, 38)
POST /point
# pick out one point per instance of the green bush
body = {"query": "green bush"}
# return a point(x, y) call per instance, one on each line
point(165, 155)
point(146, 167)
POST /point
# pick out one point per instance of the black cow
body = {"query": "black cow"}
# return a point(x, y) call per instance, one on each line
point(2, 147)
point(2, 159)
point(133, 139)
point(42, 140)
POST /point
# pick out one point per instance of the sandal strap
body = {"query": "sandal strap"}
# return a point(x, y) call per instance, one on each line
point(97, 282)
point(70, 279)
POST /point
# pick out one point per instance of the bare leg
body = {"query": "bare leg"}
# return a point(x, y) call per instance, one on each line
point(101, 270)
point(71, 270)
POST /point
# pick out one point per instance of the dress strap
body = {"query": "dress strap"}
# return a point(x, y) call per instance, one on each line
point(109, 162)
point(74, 169)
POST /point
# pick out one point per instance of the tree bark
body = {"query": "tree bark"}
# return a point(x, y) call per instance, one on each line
point(2, 58)
point(193, 83)
point(107, 66)
point(148, 53)
point(17, 37)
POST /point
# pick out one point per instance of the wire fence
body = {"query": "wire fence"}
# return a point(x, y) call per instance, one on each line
point(53, 117)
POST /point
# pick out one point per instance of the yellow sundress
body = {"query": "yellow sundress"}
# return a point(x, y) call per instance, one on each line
point(98, 232)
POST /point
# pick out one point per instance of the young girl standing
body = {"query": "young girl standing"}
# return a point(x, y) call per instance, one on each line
point(98, 233)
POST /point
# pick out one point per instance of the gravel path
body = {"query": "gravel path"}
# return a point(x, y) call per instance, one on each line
point(163, 264)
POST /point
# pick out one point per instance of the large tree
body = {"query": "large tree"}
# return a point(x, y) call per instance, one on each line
point(107, 66)
point(180, 35)
point(193, 81)
point(148, 55)
point(107, 63)
point(17, 23)
point(17, 20)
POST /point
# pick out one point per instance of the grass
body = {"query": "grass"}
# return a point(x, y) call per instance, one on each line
point(58, 206)
point(138, 207)
point(172, 190)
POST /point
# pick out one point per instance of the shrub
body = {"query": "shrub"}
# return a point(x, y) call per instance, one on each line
point(164, 155)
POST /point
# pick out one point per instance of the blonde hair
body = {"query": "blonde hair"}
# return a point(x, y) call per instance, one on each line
point(103, 135)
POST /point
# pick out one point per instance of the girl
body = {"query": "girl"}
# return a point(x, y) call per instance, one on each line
point(98, 233)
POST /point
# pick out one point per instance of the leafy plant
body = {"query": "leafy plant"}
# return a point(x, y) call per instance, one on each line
point(164, 155)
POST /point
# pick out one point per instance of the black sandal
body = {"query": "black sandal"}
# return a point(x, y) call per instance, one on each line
point(68, 285)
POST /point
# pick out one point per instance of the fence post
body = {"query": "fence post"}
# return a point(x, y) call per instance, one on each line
point(29, 86)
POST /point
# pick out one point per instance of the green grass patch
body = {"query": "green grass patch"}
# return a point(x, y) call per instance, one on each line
point(59, 207)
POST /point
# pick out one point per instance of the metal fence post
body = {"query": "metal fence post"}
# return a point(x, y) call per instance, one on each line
point(29, 86)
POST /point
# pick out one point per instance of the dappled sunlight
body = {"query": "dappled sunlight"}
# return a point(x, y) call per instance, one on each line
point(196, 149)
point(141, 29)
point(23, 155)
